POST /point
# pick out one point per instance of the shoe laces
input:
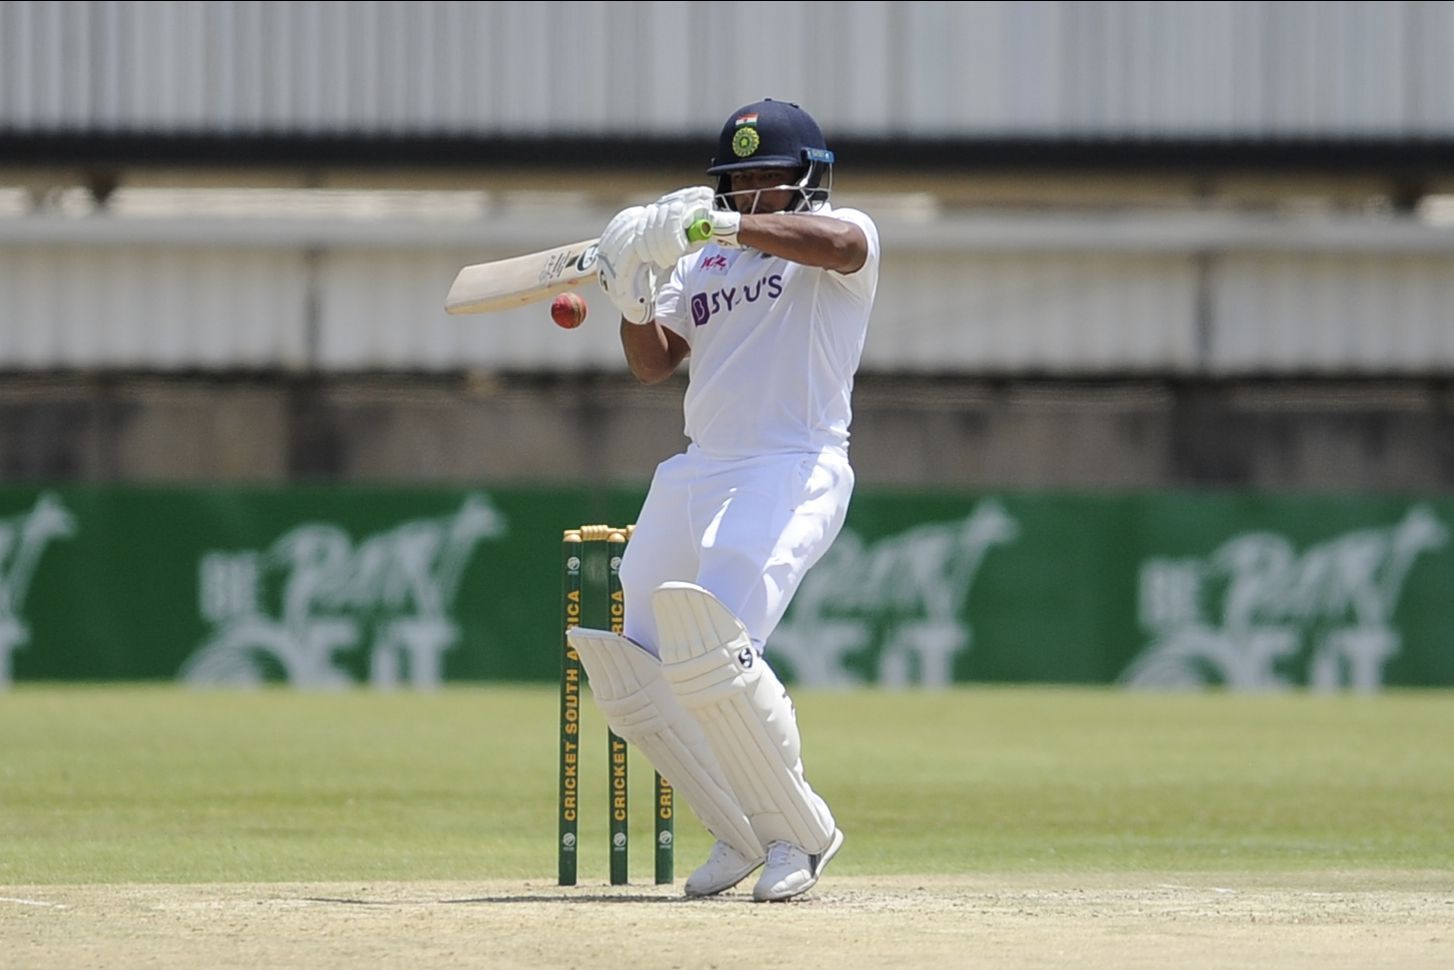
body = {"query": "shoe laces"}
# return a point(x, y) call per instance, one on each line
point(719, 853)
point(779, 853)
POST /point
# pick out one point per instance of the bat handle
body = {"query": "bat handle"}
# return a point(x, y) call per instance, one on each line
point(700, 231)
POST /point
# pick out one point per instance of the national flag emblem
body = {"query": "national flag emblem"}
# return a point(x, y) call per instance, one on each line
point(747, 120)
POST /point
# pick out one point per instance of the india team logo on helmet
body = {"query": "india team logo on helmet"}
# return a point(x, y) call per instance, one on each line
point(746, 140)
point(775, 134)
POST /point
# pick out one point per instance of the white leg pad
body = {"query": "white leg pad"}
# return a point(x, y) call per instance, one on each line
point(639, 706)
point(708, 659)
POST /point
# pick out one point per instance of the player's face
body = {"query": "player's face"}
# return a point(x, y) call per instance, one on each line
point(754, 180)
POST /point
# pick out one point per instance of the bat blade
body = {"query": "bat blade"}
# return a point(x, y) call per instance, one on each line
point(520, 280)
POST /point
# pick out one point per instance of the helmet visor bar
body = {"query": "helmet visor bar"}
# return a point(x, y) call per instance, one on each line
point(808, 197)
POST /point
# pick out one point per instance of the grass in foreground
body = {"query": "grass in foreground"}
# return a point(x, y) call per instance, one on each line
point(163, 784)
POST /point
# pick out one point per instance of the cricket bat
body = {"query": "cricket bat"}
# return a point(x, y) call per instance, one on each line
point(506, 283)
point(521, 280)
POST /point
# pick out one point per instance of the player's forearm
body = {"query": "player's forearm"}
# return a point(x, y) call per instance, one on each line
point(649, 351)
point(807, 239)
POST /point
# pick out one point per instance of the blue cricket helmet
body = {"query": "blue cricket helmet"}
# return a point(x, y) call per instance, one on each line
point(775, 134)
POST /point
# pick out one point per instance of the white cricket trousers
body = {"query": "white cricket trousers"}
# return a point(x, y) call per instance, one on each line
point(746, 530)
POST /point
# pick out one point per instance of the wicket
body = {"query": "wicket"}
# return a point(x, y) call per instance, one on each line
point(602, 607)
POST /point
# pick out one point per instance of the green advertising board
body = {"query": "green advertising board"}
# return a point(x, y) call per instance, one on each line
point(333, 586)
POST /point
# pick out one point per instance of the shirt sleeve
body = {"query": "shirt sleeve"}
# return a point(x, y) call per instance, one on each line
point(672, 303)
point(864, 280)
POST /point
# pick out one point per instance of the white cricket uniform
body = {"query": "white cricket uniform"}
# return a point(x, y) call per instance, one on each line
point(762, 491)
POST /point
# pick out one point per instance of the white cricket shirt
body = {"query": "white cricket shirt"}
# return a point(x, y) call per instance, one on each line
point(774, 346)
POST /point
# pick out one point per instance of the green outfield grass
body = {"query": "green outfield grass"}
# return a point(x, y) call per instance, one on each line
point(162, 784)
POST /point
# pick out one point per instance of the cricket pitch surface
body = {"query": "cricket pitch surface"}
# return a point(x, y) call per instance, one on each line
point(1321, 921)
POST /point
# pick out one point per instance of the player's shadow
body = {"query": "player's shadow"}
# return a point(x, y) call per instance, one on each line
point(567, 900)
point(588, 898)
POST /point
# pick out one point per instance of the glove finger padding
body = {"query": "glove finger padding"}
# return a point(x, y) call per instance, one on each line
point(617, 244)
point(695, 196)
point(628, 282)
point(664, 234)
point(700, 202)
point(664, 237)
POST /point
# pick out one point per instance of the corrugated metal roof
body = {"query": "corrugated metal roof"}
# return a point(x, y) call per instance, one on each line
point(1067, 69)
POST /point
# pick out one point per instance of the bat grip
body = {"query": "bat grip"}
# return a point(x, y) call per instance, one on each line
point(700, 231)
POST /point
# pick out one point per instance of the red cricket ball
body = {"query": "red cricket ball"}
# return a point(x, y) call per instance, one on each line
point(568, 310)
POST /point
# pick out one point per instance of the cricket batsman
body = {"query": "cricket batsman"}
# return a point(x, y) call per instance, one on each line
point(770, 313)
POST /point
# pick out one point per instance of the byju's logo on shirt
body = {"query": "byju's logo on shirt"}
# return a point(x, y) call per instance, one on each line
point(707, 305)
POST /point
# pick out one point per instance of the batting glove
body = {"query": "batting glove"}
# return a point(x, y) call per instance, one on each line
point(666, 230)
point(629, 283)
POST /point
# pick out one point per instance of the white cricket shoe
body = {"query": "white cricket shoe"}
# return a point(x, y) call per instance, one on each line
point(790, 870)
point(724, 868)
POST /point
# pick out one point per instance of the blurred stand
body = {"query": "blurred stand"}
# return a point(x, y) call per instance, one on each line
point(1125, 245)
